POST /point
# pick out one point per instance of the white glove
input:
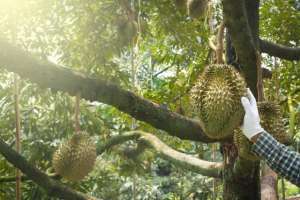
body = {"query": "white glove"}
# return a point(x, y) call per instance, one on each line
point(251, 125)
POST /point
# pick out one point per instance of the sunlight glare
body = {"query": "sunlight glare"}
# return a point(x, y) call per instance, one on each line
point(11, 5)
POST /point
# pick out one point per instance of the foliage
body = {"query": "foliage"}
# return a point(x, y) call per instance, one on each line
point(168, 53)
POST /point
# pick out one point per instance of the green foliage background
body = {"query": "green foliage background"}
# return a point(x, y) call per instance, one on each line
point(171, 51)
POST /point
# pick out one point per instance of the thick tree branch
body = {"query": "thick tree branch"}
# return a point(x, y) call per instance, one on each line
point(206, 168)
point(52, 187)
point(7, 179)
point(280, 51)
point(49, 75)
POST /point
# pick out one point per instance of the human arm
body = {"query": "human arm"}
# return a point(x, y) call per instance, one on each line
point(279, 157)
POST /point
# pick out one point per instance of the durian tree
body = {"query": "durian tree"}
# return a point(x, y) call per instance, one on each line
point(114, 52)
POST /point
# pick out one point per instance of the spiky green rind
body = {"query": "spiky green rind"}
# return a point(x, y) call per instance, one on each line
point(216, 99)
point(243, 146)
point(75, 158)
point(271, 120)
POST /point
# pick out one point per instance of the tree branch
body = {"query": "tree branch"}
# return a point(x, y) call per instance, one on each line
point(220, 38)
point(7, 179)
point(206, 168)
point(280, 51)
point(52, 187)
point(49, 75)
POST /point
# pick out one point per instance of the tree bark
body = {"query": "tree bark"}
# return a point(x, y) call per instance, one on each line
point(49, 75)
point(241, 177)
point(206, 168)
point(241, 35)
point(241, 180)
point(280, 51)
point(268, 184)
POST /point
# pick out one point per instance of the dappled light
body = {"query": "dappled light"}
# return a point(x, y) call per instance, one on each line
point(141, 100)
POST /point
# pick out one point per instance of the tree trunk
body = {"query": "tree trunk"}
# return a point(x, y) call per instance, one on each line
point(268, 184)
point(241, 177)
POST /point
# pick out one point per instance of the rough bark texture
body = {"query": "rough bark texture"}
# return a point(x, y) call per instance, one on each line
point(206, 168)
point(52, 187)
point(293, 198)
point(268, 184)
point(235, 18)
point(49, 75)
point(8, 179)
point(241, 177)
point(280, 51)
point(241, 180)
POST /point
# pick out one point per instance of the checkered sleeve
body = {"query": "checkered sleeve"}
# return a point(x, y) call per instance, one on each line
point(280, 158)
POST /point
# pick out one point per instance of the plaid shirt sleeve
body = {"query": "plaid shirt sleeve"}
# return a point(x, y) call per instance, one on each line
point(280, 158)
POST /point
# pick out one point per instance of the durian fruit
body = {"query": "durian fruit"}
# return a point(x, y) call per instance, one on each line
point(196, 8)
point(75, 158)
point(271, 120)
point(216, 98)
point(243, 145)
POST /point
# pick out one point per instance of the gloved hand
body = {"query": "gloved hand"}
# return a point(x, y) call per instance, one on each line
point(251, 125)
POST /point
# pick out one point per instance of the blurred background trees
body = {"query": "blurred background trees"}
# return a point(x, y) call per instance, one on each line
point(152, 48)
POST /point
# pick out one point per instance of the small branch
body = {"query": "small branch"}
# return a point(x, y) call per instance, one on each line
point(220, 38)
point(77, 113)
point(116, 140)
point(18, 134)
point(280, 51)
point(294, 198)
point(52, 187)
point(211, 44)
point(206, 168)
point(49, 75)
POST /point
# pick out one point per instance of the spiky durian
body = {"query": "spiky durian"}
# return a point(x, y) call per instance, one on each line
point(196, 8)
point(216, 98)
point(243, 146)
point(75, 158)
point(271, 121)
